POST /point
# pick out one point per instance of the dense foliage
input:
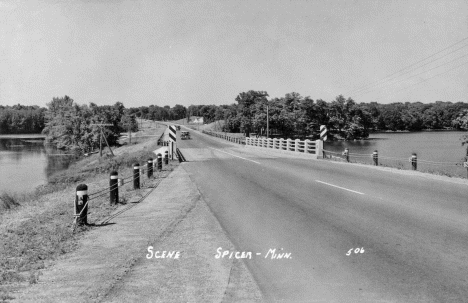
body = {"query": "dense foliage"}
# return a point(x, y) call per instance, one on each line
point(21, 119)
point(70, 126)
point(67, 125)
point(297, 116)
point(157, 113)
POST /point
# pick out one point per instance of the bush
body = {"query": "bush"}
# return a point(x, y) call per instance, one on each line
point(8, 201)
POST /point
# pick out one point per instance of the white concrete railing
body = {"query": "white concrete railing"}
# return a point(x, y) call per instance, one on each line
point(297, 146)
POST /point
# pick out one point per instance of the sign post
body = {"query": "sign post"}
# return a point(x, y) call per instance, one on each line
point(323, 138)
point(172, 140)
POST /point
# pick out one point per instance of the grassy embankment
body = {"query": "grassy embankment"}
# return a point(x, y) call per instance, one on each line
point(36, 228)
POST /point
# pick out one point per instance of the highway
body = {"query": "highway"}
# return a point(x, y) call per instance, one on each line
point(413, 230)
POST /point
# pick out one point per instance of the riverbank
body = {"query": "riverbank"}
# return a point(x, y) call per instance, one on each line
point(23, 136)
point(38, 230)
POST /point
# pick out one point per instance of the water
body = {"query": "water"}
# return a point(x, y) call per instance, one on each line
point(26, 163)
point(435, 146)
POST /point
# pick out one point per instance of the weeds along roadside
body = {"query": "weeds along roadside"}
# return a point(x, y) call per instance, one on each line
point(36, 228)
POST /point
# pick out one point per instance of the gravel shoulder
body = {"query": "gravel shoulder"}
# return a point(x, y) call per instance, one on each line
point(111, 264)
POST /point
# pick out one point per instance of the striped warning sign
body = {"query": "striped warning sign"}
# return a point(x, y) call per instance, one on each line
point(172, 133)
point(323, 133)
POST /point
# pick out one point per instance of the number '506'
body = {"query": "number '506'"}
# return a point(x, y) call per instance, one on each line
point(356, 251)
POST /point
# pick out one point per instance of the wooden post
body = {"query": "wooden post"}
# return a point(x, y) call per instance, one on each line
point(81, 207)
point(100, 145)
point(159, 162)
point(107, 143)
point(414, 161)
point(375, 157)
point(114, 188)
point(150, 168)
point(346, 154)
point(136, 176)
point(268, 122)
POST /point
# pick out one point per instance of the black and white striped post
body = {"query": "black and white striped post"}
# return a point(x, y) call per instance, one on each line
point(149, 171)
point(375, 157)
point(323, 133)
point(166, 157)
point(159, 162)
point(323, 138)
point(414, 161)
point(114, 187)
point(172, 141)
point(136, 176)
point(81, 207)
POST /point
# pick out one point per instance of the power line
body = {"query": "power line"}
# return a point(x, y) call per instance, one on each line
point(405, 68)
point(425, 80)
point(383, 81)
point(425, 71)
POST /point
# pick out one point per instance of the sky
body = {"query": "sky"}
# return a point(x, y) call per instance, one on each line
point(207, 52)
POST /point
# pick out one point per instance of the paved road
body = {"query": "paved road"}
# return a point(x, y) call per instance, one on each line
point(414, 230)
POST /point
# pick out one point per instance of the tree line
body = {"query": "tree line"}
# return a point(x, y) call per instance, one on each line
point(158, 113)
point(71, 126)
point(76, 127)
point(296, 116)
point(21, 119)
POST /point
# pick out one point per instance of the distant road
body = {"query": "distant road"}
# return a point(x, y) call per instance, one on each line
point(414, 230)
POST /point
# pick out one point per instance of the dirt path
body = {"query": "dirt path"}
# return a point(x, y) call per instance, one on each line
point(111, 264)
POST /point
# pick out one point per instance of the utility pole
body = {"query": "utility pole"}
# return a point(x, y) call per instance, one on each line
point(100, 145)
point(268, 121)
point(101, 135)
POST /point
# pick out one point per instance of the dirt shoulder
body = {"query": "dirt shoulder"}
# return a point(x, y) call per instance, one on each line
point(111, 264)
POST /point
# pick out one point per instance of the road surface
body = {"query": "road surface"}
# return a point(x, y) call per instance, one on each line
point(413, 229)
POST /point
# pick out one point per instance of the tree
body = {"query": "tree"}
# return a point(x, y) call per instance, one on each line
point(69, 125)
point(128, 122)
point(246, 110)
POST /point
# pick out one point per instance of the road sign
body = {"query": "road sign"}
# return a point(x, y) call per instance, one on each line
point(172, 133)
point(323, 133)
point(465, 164)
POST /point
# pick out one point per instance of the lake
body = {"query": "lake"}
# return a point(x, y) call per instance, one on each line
point(26, 163)
point(442, 147)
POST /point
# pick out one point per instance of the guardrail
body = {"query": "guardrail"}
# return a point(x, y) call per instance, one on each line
point(445, 168)
point(226, 137)
point(296, 146)
point(136, 177)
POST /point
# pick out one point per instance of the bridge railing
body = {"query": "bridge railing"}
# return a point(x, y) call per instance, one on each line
point(238, 140)
point(289, 145)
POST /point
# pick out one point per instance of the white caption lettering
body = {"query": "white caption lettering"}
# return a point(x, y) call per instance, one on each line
point(272, 254)
point(356, 251)
point(165, 254)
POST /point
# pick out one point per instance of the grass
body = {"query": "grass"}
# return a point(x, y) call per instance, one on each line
point(402, 165)
point(8, 201)
point(36, 228)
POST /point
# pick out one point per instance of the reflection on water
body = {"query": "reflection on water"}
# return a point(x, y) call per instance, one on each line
point(26, 163)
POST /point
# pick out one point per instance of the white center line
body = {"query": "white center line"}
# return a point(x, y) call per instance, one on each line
point(340, 187)
point(235, 155)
